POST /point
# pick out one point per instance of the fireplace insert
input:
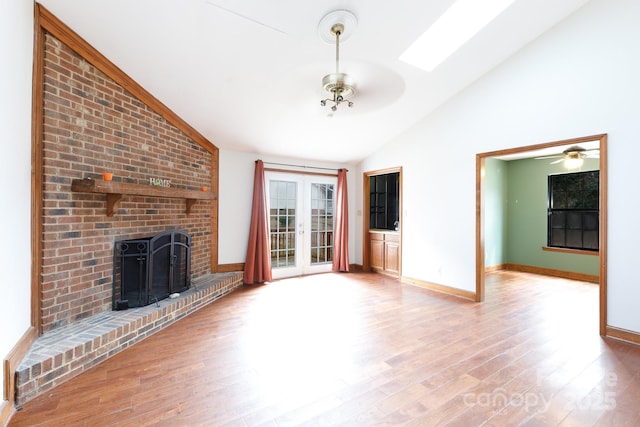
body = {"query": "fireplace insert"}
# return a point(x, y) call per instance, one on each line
point(150, 269)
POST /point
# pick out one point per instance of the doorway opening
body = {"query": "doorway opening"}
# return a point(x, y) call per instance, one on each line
point(529, 152)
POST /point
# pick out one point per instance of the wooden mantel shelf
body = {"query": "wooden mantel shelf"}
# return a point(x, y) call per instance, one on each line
point(116, 191)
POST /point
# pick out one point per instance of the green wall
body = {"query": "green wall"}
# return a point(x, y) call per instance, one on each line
point(517, 191)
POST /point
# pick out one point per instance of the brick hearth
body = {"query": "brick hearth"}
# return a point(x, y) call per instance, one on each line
point(66, 352)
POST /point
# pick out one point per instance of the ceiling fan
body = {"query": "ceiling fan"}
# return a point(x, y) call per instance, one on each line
point(573, 157)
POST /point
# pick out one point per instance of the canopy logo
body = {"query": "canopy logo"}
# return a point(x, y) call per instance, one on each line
point(500, 399)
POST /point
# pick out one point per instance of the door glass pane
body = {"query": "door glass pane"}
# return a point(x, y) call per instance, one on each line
point(321, 223)
point(282, 223)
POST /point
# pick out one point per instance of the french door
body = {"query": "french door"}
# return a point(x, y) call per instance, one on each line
point(301, 217)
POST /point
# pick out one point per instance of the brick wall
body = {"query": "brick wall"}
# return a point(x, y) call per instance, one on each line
point(92, 125)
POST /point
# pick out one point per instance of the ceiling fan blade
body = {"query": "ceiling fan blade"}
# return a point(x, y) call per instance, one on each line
point(557, 161)
point(211, 3)
point(548, 157)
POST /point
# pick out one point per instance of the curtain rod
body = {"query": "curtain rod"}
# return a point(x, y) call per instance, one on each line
point(301, 166)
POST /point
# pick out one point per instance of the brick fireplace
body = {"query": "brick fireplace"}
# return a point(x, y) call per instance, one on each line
point(164, 177)
point(93, 125)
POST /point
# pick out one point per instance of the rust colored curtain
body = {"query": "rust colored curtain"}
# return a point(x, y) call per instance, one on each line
point(341, 230)
point(257, 265)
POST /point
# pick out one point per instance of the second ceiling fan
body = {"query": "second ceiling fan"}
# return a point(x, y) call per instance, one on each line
point(573, 156)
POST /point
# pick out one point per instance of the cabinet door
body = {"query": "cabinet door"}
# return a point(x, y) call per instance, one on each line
point(377, 254)
point(392, 257)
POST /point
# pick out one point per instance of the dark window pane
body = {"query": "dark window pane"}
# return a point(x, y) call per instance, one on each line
point(574, 239)
point(558, 220)
point(573, 203)
point(592, 182)
point(559, 200)
point(590, 240)
point(590, 221)
point(557, 237)
point(384, 200)
point(591, 199)
point(574, 220)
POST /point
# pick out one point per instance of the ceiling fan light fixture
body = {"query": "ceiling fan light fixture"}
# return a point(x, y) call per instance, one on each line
point(338, 86)
point(338, 83)
point(573, 161)
point(573, 157)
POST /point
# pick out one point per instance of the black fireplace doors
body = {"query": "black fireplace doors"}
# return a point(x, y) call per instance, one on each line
point(150, 269)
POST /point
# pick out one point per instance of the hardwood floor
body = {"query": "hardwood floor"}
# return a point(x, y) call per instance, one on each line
point(365, 350)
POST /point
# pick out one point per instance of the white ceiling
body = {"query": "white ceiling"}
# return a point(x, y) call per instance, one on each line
point(247, 74)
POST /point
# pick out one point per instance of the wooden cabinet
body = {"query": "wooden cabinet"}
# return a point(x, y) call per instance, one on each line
point(392, 253)
point(385, 252)
point(377, 251)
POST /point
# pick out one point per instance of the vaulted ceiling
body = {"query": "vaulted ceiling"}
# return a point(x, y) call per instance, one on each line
point(247, 74)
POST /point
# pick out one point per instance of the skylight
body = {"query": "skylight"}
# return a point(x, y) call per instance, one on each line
point(463, 20)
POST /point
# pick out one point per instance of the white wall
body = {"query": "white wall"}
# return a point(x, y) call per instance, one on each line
point(16, 51)
point(495, 212)
point(236, 192)
point(579, 79)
